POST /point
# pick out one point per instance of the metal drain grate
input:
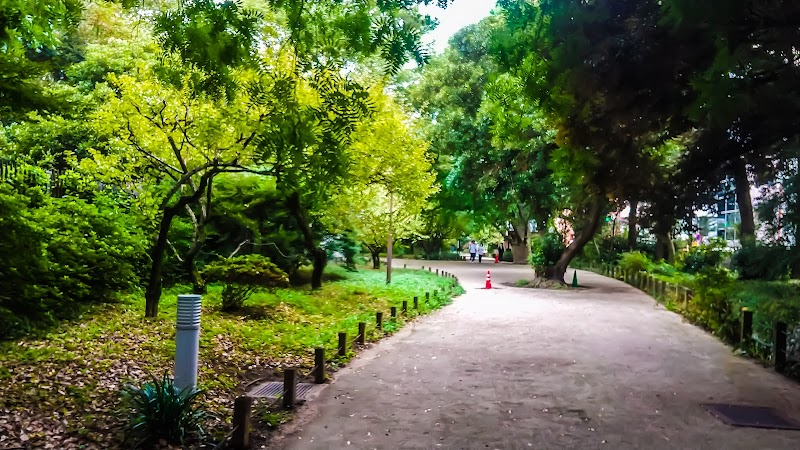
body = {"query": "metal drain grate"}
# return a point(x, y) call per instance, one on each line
point(274, 390)
point(751, 416)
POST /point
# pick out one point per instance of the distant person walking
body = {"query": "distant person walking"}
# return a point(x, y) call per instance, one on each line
point(501, 250)
point(481, 252)
point(473, 250)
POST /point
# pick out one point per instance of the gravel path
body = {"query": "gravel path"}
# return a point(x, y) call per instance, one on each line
point(599, 367)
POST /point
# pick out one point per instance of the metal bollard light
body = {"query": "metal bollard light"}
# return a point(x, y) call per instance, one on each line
point(187, 341)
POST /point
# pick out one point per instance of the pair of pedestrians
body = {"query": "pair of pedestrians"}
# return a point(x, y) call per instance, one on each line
point(476, 250)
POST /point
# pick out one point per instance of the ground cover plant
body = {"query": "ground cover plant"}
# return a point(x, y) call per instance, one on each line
point(62, 388)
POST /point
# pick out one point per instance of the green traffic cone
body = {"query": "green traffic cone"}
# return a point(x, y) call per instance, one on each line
point(575, 279)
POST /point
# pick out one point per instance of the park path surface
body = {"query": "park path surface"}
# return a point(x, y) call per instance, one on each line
point(513, 368)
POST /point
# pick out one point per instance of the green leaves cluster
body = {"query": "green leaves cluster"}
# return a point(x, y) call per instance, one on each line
point(53, 264)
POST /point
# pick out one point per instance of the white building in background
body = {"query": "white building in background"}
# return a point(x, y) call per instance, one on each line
point(724, 222)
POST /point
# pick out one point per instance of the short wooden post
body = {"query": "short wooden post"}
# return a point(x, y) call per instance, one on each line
point(379, 320)
point(437, 272)
point(393, 311)
point(779, 346)
point(427, 297)
point(342, 344)
point(289, 387)
point(404, 266)
point(405, 306)
point(423, 267)
point(362, 333)
point(416, 302)
point(430, 269)
point(746, 329)
point(240, 438)
point(319, 365)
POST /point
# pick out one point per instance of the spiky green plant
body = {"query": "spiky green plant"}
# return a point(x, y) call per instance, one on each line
point(160, 410)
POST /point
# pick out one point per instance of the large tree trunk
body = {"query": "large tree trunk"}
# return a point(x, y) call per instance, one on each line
point(375, 252)
point(748, 225)
point(520, 247)
point(320, 261)
point(318, 255)
point(595, 213)
point(521, 252)
point(665, 248)
point(152, 294)
point(633, 222)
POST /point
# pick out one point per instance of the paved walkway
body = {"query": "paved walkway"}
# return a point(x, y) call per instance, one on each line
point(511, 368)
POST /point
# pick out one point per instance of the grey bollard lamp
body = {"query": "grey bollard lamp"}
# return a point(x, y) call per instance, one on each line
point(187, 341)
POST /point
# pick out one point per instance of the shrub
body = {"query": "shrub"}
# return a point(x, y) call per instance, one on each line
point(442, 256)
point(634, 262)
point(604, 250)
point(243, 275)
point(756, 261)
point(162, 411)
point(711, 306)
point(545, 251)
point(60, 254)
point(703, 256)
point(344, 246)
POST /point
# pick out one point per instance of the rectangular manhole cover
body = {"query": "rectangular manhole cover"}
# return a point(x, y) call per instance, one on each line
point(751, 416)
point(274, 390)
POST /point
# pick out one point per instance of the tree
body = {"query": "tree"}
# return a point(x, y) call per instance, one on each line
point(171, 146)
point(497, 140)
point(605, 72)
point(391, 180)
point(746, 90)
point(30, 36)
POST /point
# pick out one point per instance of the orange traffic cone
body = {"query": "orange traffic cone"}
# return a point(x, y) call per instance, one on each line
point(488, 280)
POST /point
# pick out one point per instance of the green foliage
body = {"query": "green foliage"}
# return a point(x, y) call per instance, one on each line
point(210, 37)
point(756, 261)
point(162, 411)
point(53, 263)
point(604, 249)
point(634, 262)
point(770, 301)
point(345, 245)
point(711, 307)
point(663, 268)
point(442, 256)
point(545, 251)
point(703, 256)
point(243, 275)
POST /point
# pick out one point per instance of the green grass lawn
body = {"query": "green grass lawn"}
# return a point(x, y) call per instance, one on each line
point(64, 387)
